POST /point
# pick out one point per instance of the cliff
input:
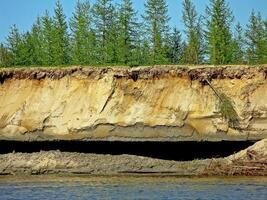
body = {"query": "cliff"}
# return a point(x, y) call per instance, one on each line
point(165, 103)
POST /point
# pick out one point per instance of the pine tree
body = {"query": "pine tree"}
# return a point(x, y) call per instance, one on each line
point(176, 47)
point(256, 49)
point(128, 33)
point(48, 37)
point(60, 46)
point(194, 51)
point(219, 36)
point(238, 46)
point(83, 38)
point(156, 21)
point(103, 13)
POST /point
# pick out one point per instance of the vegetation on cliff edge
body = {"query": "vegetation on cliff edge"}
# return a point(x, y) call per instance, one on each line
point(105, 33)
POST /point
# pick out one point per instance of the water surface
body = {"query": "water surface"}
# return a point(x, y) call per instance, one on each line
point(131, 187)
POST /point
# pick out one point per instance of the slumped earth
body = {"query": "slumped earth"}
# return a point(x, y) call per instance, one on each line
point(249, 162)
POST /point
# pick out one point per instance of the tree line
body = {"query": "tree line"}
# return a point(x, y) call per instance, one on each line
point(107, 34)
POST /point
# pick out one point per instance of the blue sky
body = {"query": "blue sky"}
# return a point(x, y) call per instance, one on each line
point(24, 12)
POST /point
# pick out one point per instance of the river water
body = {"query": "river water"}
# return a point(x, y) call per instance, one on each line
point(131, 187)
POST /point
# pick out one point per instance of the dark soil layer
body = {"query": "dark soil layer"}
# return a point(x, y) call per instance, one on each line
point(200, 73)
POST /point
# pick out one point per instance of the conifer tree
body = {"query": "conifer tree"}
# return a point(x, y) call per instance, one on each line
point(128, 33)
point(176, 48)
point(15, 47)
point(238, 45)
point(194, 50)
point(47, 32)
point(219, 36)
point(60, 45)
point(103, 13)
point(83, 39)
point(28, 49)
point(112, 40)
point(34, 44)
point(4, 56)
point(265, 41)
point(255, 40)
point(145, 58)
point(156, 21)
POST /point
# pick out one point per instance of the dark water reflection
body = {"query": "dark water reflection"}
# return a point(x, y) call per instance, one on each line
point(49, 187)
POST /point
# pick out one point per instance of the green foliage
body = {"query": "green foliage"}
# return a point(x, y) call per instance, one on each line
point(226, 107)
point(176, 47)
point(256, 40)
point(14, 45)
point(103, 12)
point(128, 36)
point(47, 33)
point(83, 37)
point(5, 57)
point(227, 110)
point(60, 45)
point(156, 22)
point(238, 46)
point(194, 49)
point(109, 34)
point(219, 37)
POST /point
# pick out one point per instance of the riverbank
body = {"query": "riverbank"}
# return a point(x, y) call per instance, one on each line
point(158, 103)
point(249, 162)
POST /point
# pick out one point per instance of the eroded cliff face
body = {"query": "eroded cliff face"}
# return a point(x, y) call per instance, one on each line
point(153, 103)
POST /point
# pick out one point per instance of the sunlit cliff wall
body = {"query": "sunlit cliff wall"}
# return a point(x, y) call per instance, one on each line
point(154, 103)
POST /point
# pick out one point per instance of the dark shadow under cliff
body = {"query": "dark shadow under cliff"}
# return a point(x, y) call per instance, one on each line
point(179, 151)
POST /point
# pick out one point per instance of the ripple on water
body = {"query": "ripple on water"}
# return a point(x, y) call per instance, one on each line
point(46, 187)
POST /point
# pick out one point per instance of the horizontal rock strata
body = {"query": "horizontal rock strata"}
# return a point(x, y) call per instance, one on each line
point(163, 103)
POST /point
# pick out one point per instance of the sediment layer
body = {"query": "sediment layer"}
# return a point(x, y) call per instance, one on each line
point(163, 103)
point(249, 162)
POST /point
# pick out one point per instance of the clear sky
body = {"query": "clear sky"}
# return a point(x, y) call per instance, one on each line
point(24, 12)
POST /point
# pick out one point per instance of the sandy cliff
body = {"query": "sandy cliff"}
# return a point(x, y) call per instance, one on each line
point(153, 103)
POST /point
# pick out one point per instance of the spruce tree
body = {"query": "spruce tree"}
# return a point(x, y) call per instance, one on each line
point(4, 56)
point(60, 46)
point(194, 51)
point(112, 40)
point(103, 13)
point(238, 46)
point(255, 40)
point(128, 33)
point(34, 44)
point(83, 39)
point(48, 39)
point(265, 41)
point(15, 47)
point(176, 48)
point(156, 22)
point(28, 49)
point(219, 36)
point(145, 58)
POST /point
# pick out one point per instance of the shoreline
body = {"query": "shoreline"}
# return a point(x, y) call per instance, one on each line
point(249, 162)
